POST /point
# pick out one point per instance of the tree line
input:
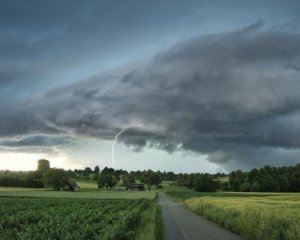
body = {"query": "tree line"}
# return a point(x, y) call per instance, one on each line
point(109, 178)
point(43, 176)
point(32, 179)
point(266, 179)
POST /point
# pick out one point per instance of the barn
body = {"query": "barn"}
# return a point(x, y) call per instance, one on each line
point(136, 187)
point(71, 185)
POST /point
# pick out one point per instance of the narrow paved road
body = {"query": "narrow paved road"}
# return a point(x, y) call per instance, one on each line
point(182, 224)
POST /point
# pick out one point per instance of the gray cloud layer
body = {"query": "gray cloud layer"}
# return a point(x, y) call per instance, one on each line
point(46, 44)
point(51, 43)
point(233, 96)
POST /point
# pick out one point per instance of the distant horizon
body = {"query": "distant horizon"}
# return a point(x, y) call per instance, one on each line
point(101, 168)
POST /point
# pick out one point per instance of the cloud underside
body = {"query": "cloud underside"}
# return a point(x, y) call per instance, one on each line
point(233, 96)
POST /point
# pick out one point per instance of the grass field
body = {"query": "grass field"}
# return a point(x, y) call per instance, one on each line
point(47, 193)
point(178, 194)
point(253, 215)
point(42, 218)
point(87, 185)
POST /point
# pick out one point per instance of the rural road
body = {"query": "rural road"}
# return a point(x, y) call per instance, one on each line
point(182, 224)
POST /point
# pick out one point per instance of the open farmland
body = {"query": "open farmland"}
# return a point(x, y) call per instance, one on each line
point(255, 216)
point(182, 194)
point(41, 218)
point(84, 193)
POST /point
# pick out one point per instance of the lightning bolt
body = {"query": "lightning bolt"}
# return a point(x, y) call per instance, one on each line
point(113, 146)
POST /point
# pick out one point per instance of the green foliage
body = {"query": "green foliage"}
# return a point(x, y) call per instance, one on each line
point(31, 179)
point(151, 224)
point(127, 180)
point(55, 178)
point(43, 165)
point(245, 187)
point(97, 169)
point(151, 178)
point(58, 218)
point(86, 173)
point(88, 170)
point(199, 182)
point(267, 179)
point(106, 181)
point(206, 183)
point(236, 179)
point(109, 178)
point(269, 217)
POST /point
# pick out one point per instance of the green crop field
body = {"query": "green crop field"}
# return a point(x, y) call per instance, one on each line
point(42, 218)
point(87, 214)
point(253, 215)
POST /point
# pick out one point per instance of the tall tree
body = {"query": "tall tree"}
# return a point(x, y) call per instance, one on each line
point(43, 165)
point(55, 178)
point(206, 183)
point(151, 178)
point(106, 181)
point(97, 169)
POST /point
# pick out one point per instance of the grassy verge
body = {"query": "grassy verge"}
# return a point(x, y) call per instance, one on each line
point(151, 226)
point(263, 217)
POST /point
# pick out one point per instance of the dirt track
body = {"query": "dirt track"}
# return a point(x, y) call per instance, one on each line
point(182, 224)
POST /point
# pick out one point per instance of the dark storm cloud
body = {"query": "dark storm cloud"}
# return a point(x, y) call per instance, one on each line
point(45, 44)
point(39, 140)
point(233, 96)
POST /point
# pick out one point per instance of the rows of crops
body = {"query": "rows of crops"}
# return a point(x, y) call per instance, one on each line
point(34, 218)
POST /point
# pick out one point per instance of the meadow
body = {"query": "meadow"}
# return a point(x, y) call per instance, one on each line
point(253, 215)
point(182, 194)
point(48, 193)
point(88, 189)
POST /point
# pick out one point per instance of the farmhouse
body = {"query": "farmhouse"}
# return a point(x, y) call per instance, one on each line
point(136, 187)
point(71, 185)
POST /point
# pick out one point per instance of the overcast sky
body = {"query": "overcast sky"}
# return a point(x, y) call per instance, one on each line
point(184, 86)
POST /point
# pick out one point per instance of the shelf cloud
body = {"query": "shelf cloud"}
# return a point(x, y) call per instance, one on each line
point(233, 96)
